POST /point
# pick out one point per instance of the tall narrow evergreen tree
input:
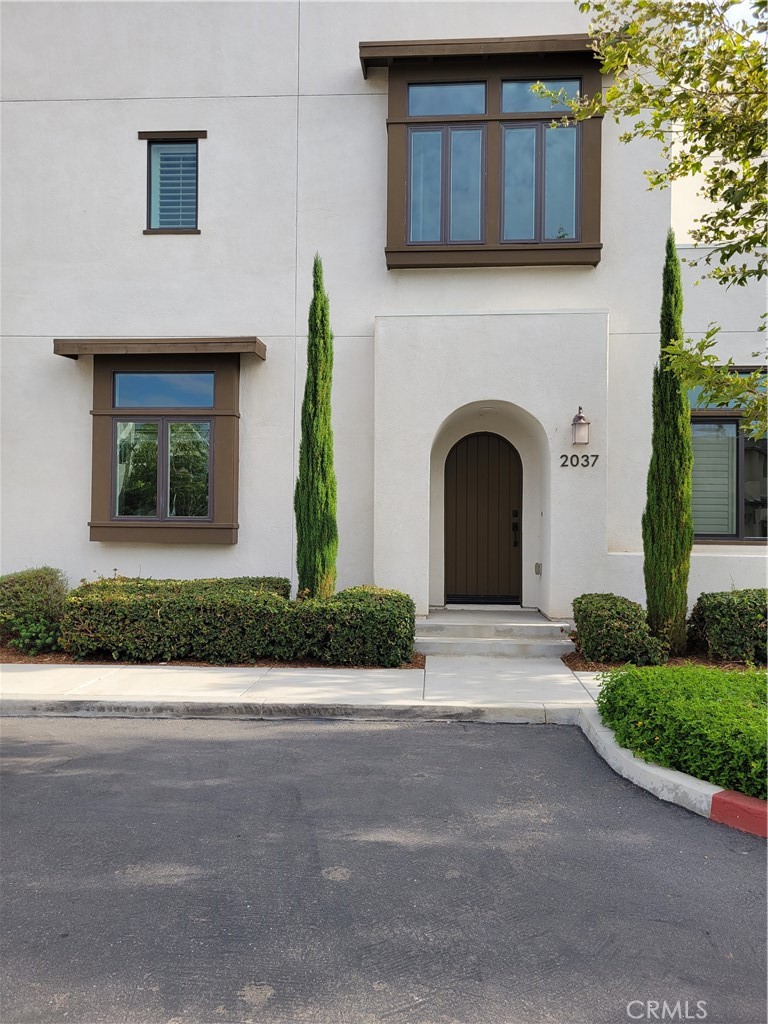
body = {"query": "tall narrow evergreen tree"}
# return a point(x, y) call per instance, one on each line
point(314, 499)
point(668, 519)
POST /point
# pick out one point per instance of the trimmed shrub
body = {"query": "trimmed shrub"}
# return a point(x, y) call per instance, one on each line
point(706, 722)
point(612, 628)
point(149, 620)
point(730, 626)
point(232, 621)
point(370, 626)
point(31, 608)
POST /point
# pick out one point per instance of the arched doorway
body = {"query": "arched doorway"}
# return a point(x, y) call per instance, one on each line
point(483, 521)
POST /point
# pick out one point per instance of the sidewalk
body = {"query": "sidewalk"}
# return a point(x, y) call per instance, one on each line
point(470, 688)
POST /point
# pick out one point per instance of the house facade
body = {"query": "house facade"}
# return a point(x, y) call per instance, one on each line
point(170, 170)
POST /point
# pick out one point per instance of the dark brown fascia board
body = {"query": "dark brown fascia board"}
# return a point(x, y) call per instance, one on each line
point(74, 347)
point(172, 136)
point(383, 54)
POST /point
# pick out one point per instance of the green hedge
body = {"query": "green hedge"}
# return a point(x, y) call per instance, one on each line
point(612, 628)
point(233, 621)
point(730, 626)
point(31, 608)
point(706, 722)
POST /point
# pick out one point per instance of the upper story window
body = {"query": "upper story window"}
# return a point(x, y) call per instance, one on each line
point(172, 182)
point(478, 176)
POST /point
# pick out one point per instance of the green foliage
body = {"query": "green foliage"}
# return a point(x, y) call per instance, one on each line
point(612, 628)
point(720, 384)
point(706, 722)
point(730, 626)
point(31, 608)
point(668, 518)
point(314, 501)
point(235, 620)
point(370, 626)
point(691, 75)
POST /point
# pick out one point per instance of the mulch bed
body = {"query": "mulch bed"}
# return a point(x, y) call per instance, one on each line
point(579, 663)
point(10, 656)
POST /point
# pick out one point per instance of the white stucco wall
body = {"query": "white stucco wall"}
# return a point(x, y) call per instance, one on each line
point(533, 368)
point(294, 163)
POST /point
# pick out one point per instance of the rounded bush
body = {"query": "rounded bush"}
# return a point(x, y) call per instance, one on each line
point(31, 608)
point(730, 626)
point(613, 628)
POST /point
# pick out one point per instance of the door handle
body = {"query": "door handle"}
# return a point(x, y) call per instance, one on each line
point(515, 534)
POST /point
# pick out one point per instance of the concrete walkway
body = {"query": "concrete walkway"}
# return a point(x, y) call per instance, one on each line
point(502, 689)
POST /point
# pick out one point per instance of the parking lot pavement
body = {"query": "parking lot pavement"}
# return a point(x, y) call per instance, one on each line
point(192, 872)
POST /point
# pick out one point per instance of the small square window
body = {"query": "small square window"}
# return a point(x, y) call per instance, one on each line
point(172, 182)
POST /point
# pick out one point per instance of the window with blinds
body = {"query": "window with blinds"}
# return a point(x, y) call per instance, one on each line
point(714, 477)
point(173, 184)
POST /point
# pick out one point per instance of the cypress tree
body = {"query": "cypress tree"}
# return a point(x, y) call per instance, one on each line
point(314, 499)
point(668, 519)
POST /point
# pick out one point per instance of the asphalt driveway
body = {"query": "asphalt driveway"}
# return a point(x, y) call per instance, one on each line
point(191, 872)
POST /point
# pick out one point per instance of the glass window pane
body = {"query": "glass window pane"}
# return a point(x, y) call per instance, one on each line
point(446, 98)
point(164, 390)
point(714, 478)
point(519, 184)
point(173, 185)
point(517, 98)
point(560, 183)
point(136, 469)
point(188, 469)
point(426, 155)
point(466, 184)
point(755, 492)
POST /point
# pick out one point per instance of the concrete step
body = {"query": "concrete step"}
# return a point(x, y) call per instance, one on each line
point(492, 647)
point(543, 630)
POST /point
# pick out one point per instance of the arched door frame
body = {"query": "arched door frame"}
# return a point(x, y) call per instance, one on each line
point(527, 435)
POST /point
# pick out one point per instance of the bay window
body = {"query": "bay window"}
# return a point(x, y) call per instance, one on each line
point(479, 174)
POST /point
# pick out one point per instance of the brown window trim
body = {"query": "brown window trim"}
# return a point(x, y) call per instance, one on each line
point(493, 66)
point(730, 416)
point(172, 231)
point(222, 527)
point(173, 136)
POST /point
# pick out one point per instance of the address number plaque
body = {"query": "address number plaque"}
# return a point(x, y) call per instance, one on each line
point(587, 461)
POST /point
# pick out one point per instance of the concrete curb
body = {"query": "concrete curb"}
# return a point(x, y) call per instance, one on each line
point(523, 713)
point(725, 806)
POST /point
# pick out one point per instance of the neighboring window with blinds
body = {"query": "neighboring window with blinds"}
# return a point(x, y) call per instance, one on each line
point(714, 478)
point(173, 184)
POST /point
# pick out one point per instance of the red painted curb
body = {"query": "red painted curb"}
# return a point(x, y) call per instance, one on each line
point(743, 812)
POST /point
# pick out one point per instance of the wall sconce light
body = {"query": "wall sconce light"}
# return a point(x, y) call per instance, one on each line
point(580, 428)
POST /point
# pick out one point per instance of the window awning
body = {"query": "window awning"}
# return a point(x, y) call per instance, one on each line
point(74, 347)
point(384, 54)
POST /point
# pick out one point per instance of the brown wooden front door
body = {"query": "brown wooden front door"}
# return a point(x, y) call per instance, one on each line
point(483, 521)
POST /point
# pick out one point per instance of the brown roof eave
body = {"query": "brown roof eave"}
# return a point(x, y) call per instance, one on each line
point(74, 347)
point(384, 54)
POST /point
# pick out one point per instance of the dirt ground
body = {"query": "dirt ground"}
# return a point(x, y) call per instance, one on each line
point(10, 656)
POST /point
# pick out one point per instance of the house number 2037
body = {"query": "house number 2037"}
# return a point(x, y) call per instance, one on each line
point(578, 460)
